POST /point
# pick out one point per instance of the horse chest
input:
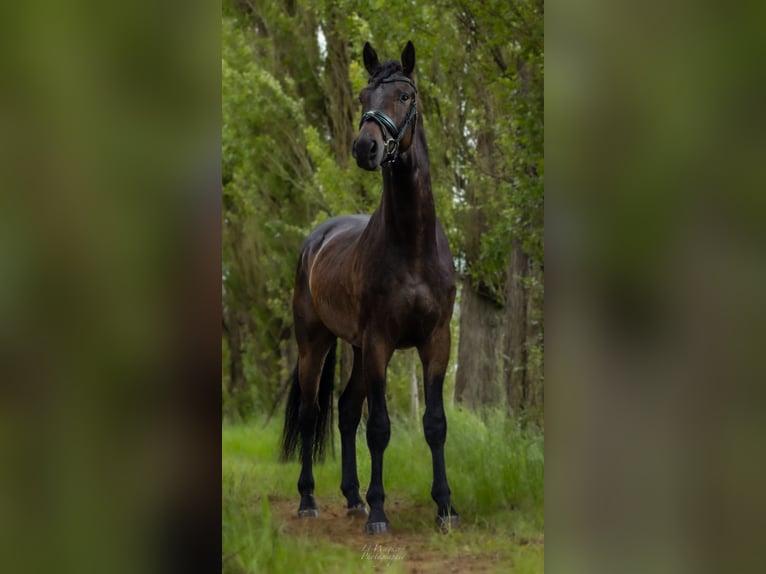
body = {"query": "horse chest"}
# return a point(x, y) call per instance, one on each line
point(417, 299)
point(410, 311)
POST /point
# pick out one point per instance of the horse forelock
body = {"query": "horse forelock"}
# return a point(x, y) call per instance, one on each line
point(385, 70)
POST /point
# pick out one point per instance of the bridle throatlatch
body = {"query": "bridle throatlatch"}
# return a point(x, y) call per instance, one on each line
point(388, 126)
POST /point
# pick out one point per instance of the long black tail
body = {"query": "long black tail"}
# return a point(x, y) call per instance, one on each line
point(291, 434)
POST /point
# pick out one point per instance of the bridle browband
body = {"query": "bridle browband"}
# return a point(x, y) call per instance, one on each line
point(387, 124)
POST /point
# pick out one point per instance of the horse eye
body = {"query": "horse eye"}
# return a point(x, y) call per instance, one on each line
point(404, 97)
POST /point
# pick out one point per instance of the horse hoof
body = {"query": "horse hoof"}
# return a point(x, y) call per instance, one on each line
point(376, 527)
point(358, 510)
point(447, 523)
point(308, 513)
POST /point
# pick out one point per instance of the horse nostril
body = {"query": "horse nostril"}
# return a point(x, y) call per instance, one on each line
point(373, 147)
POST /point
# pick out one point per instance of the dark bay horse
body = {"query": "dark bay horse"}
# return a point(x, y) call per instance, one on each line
point(382, 283)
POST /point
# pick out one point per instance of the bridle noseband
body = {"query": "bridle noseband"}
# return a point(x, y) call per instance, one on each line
point(387, 124)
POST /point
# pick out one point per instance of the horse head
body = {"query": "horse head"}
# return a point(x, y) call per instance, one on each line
point(389, 109)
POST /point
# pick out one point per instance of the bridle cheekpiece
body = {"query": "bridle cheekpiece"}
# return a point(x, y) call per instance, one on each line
point(387, 125)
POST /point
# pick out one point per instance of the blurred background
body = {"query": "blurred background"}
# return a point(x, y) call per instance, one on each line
point(109, 287)
point(654, 286)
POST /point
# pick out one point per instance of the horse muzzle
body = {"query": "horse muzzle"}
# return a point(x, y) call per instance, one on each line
point(368, 151)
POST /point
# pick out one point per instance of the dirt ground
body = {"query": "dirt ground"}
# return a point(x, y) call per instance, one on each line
point(410, 548)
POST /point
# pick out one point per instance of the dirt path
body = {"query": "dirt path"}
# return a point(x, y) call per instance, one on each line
point(411, 547)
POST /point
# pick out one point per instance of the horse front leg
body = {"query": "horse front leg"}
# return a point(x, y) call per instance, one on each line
point(376, 355)
point(349, 414)
point(435, 356)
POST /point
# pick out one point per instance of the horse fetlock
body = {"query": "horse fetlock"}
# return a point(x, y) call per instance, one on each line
point(351, 493)
point(376, 497)
point(306, 485)
point(441, 496)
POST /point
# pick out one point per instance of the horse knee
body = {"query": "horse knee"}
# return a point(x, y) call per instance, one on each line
point(435, 428)
point(348, 418)
point(378, 432)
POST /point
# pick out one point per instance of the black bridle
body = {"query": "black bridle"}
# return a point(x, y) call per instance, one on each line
point(387, 125)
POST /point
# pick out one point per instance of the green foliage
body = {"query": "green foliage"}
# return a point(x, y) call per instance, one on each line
point(267, 176)
point(334, 184)
point(503, 158)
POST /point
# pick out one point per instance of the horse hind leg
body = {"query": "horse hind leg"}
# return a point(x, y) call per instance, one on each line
point(349, 414)
point(311, 365)
point(308, 507)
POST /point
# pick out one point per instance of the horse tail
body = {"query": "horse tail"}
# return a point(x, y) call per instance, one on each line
point(291, 430)
point(323, 428)
point(291, 434)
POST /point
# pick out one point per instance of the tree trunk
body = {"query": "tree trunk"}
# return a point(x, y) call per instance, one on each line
point(340, 100)
point(479, 379)
point(516, 329)
point(534, 343)
point(237, 381)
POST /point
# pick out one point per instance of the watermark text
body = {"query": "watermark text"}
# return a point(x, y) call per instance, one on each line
point(380, 552)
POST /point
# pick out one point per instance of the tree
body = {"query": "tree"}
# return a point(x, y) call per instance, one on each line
point(503, 216)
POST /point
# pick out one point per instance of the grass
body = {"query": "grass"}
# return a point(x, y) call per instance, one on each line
point(495, 469)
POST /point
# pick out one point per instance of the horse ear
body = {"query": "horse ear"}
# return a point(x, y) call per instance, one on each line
point(408, 59)
point(371, 62)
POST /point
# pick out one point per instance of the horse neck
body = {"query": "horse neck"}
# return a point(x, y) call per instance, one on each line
point(407, 205)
